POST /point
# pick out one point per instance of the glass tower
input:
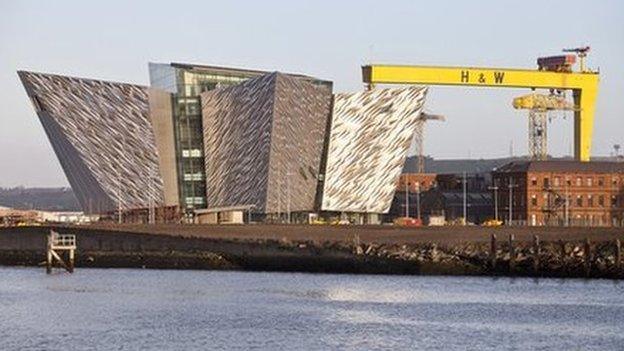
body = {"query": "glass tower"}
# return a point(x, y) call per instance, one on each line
point(185, 82)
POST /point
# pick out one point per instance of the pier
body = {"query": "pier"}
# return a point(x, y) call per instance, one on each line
point(58, 246)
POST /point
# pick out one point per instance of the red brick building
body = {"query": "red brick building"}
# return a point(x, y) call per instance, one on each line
point(414, 180)
point(561, 193)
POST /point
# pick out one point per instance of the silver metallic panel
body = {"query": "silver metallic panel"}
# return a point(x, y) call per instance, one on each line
point(263, 141)
point(370, 135)
point(105, 139)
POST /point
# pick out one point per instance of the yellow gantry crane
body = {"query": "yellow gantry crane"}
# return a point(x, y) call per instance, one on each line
point(584, 86)
point(539, 105)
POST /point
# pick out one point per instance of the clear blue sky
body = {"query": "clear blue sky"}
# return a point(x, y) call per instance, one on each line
point(114, 40)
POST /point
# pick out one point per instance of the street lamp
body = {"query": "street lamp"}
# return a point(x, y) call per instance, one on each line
point(464, 191)
point(510, 186)
point(406, 199)
point(418, 200)
point(495, 188)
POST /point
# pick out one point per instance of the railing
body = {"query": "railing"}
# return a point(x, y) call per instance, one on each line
point(60, 245)
point(64, 240)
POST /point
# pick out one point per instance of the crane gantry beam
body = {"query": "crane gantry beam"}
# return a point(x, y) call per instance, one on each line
point(584, 88)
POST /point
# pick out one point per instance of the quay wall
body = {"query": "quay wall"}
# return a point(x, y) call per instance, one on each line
point(353, 251)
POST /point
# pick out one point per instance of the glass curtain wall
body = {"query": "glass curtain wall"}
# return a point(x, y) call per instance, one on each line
point(189, 131)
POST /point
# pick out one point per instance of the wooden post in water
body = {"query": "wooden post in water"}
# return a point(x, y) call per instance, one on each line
point(356, 243)
point(60, 242)
point(562, 245)
point(536, 253)
point(587, 257)
point(71, 261)
point(49, 253)
point(512, 253)
point(618, 255)
point(493, 252)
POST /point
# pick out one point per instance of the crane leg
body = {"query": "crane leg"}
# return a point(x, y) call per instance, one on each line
point(538, 135)
point(419, 145)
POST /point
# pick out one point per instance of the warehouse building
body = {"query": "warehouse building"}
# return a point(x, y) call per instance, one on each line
point(561, 193)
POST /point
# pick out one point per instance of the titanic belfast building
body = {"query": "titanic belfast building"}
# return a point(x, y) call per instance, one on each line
point(204, 139)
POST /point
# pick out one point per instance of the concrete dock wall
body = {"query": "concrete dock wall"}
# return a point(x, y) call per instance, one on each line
point(100, 247)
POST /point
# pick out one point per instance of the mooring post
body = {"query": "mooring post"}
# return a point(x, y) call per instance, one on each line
point(49, 253)
point(587, 257)
point(512, 253)
point(562, 246)
point(536, 253)
point(493, 251)
point(618, 255)
point(71, 261)
point(356, 242)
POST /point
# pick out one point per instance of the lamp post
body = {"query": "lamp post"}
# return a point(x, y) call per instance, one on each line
point(495, 188)
point(418, 200)
point(406, 199)
point(279, 195)
point(567, 204)
point(118, 197)
point(510, 186)
point(288, 174)
point(464, 202)
point(151, 202)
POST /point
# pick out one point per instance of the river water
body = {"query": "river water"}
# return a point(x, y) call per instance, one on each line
point(133, 309)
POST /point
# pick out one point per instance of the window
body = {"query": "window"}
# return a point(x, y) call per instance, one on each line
point(533, 181)
point(590, 201)
point(614, 182)
point(601, 181)
point(601, 200)
point(546, 182)
point(557, 181)
point(579, 181)
point(533, 200)
point(590, 181)
point(568, 182)
point(579, 201)
point(613, 200)
point(191, 153)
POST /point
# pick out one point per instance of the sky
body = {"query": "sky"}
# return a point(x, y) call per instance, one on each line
point(114, 40)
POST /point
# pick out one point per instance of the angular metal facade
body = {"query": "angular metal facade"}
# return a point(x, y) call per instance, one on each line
point(102, 134)
point(264, 141)
point(370, 136)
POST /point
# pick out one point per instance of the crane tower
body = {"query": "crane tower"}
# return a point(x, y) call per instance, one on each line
point(419, 138)
point(539, 105)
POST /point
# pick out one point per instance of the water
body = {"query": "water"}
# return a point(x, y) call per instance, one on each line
point(129, 309)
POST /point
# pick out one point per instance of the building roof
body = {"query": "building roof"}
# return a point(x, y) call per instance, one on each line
point(237, 71)
point(217, 69)
point(562, 166)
